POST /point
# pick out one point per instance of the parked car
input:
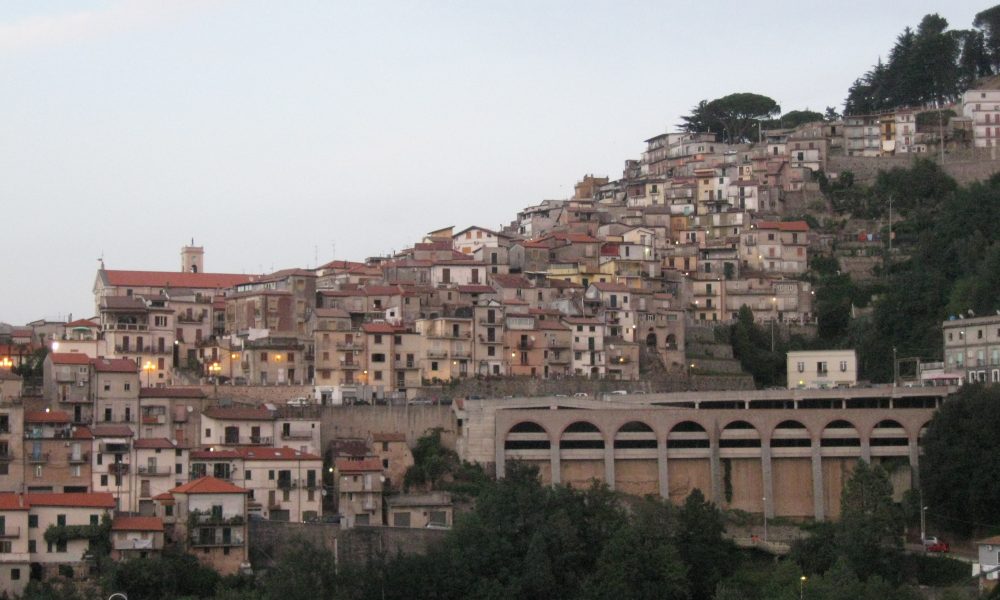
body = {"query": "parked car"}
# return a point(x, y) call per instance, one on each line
point(300, 401)
point(618, 393)
point(933, 544)
point(581, 395)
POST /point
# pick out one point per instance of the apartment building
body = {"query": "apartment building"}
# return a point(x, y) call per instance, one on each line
point(972, 348)
point(11, 444)
point(432, 510)
point(209, 517)
point(111, 463)
point(447, 347)
point(587, 346)
point(115, 390)
point(47, 510)
point(488, 342)
point(171, 413)
point(159, 465)
point(237, 426)
point(15, 560)
point(56, 456)
point(822, 369)
point(359, 490)
point(136, 537)
point(983, 107)
point(776, 247)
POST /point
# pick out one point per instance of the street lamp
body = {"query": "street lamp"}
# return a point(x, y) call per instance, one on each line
point(233, 357)
point(765, 519)
point(6, 363)
point(214, 369)
point(148, 367)
point(802, 584)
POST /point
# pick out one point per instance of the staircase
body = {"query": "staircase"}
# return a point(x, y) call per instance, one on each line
point(710, 363)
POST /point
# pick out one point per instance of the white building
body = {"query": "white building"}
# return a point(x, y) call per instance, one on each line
point(813, 369)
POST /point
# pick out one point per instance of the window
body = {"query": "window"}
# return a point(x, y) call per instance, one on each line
point(15, 574)
point(5, 547)
point(378, 375)
point(263, 357)
point(32, 521)
point(378, 338)
point(821, 368)
point(401, 519)
point(32, 546)
point(270, 475)
point(843, 366)
point(94, 519)
point(378, 358)
point(246, 475)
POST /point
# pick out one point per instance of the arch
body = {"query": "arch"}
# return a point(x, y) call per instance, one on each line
point(581, 435)
point(888, 424)
point(790, 434)
point(635, 435)
point(671, 341)
point(687, 435)
point(840, 433)
point(888, 432)
point(922, 432)
point(527, 435)
point(739, 434)
point(651, 339)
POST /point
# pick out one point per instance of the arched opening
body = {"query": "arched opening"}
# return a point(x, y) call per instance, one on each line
point(527, 435)
point(687, 434)
point(888, 433)
point(840, 434)
point(581, 435)
point(790, 434)
point(651, 339)
point(635, 435)
point(739, 434)
point(671, 341)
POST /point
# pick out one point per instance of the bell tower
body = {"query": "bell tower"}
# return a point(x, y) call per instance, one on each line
point(193, 258)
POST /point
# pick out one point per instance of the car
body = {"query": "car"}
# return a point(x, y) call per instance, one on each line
point(421, 401)
point(581, 395)
point(618, 393)
point(300, 401)
point(938, 547)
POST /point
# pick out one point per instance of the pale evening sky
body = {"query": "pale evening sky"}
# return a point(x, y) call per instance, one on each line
point(270, 131)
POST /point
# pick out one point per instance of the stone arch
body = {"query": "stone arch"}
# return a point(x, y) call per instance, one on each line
point(739, 434)
point(921, 432)
point(651, 339)
point(888, 432)
point(840, 433)
point(671, 341)
point(687, 435)
point(581, 435)
point(527, 435)
point(635, 435)
point(790, 434)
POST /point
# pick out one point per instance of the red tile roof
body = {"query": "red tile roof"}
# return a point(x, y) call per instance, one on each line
point(115, 365)
point(583, 321)
point(12, 501)
point(112, 431)
point(165, 497)
point(358, 466)
point(82, 323)
point(167, 279)
point(69, 358)
point(73, 500)
point(475, 289)
point(137, 524)
point(607, 286)
point(783, 225)
point(154, 443)
point(388, 437)
point(82, 432)
point(46, 416)
point(214, 454)
point(239, 413)
point(381, 290)
point(208, 485)
point(171, 392)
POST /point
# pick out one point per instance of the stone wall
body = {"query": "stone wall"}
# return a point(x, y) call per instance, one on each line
point(354, 546)
point(964, 168)
point(413, 420)
point(258, 394)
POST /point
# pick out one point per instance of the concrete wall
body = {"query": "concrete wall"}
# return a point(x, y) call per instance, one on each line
point(359, 421)
point(965, 168)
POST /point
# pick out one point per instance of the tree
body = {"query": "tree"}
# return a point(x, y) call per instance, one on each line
point(701, 120)
point(752, 346)
point(831, 114)
point(988, 21)
point(959, 477)
point(870, 533)
point(303, 571)
point(707, 554)
point(735, 117)
point(794, 118)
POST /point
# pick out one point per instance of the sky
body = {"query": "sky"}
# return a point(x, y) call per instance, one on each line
point(286, 134)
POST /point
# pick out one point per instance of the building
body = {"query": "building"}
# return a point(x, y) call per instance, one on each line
point(56, 454)
point(210, 518)
point(136, 537)
point(15, 559)
point(359, 490)
point(111, 463)
point(64, 510)
point(160, 465)
point(822, 369)
point(431, 510)
point(394, 453)
point(983, 107)
point(972, 348)
point(11, 444)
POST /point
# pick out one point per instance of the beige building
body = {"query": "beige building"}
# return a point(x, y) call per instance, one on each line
point(15, 560)
point(972, 348)
point(983, 107)
point(136, 537)
point(115, 391)
point(776, 247)
point(63, 510)
point(56, 454)
point(821, 369)
point(111, 463)
point(160, 465)
point(209, 517)
point(433, 510)
point(587, 346)
point(394, 453)
point(447, 347)
point(11, 444)
point(488, 342)
point(359, 490)
point(237, 426)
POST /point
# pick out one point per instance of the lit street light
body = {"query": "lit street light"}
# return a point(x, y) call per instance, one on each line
point(214, 369)
point(802, 584)
point(148, 367)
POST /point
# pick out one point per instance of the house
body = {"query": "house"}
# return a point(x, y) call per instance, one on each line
point(210, 518)
point(160, 465)
point(982, 105)
point(587, 346)
point(64, 510)
point(111, 464)
point(56, 455)
point(136, 537)
point(115, 390)
point(237, 426)
point(471, 239)
point(972, 348)
point(11, 444)
point(359, 490)
point(431, 510)
point(395, 454)
point(821, 369)
point(66, 380)
point(15, 558)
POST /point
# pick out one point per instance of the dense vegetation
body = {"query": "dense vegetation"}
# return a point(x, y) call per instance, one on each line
point(931, 65)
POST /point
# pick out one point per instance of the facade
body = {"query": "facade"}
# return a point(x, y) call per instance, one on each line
point(821, 369)
point(983, 107)
point(56, 454)
point(359, 490)
point(433, 510)
point(972, 348)
point(210, 518)
point(136, 537)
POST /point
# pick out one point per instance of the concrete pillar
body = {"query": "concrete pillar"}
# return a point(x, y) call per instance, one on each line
point(662, 469)
point(766, 481)
point(715, 465)
point(554, 463)
point(819, 510)
point(609, 464)
point(866, 449)
point(498, 446)
point(914, 449)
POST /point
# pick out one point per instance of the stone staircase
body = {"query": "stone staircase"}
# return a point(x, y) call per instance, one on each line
point(712, 360)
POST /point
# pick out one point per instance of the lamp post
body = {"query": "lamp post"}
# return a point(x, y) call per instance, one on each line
point(6, 363)
point(214, 369)
point(233, 357)
point(148, 367)
point(802, 585)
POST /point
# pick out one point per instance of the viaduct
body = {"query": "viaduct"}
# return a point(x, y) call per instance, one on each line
point(783, 453)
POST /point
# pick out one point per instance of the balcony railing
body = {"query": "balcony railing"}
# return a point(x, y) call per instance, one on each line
point(296, 435)
point(253, 440)
point(78, 458)
point(113, 447)
point(50, 434)
point(525, 345)
point(348, 346)
point(38, 458)
point(287, 484)
point(154, 471)
point(437, 354)
point(183, 318)
point(125, 327)
point(10, 532)
point(118, 469)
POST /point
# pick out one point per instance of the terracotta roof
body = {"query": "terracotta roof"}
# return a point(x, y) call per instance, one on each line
point(166, 279)
point(332, 313)
point(388, 437)
point(511, 281)
point(358, 466)
point(560, 284)
point(995, 540)
point(381, 290)
point(550, 325)
point(475, 289)
point(583, 321)
point(137, 524)
point(606, 286)
point(171, 392)
point(783, 225)
point(122, 303)
point(257, 453)
point(208, 485)
point(214, 454)
point(82, 323)
point(576, 238)
point(69, 358)
point(341, 264)
point(166, 497)
point(12, 501)
point(115, 365)
point(82, 432)
point(378, 328)
point(112, 431)
point(78, 500)
point(154, 443)
point(239, 413)
point(46, 416)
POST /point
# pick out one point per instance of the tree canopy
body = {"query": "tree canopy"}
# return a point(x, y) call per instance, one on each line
point(735, 117)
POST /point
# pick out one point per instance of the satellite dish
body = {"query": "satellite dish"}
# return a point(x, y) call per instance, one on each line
point(322, 492)
point(190, 409)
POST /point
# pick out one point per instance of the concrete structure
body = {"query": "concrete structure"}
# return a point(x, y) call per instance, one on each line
point(434, 510)
point(983, 107)
point(812, 369)
point(136, 537)
point(47, 510)
point(972, 348)
point(209, 516)
point(778, 452)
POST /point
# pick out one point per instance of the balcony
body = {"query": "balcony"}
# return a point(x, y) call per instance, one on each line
point(125, 327)
point(484, 340)
point(154, 471)
point(154, 419)
point(38, 458)
point(113, 447)
point(60, 433)
point(350, 365)
point(120, 469)
point(78, 458)
point(348, 346)
point(488, 323)
point(525, 344)
point(437, 354)
point(216, 540)
point(185, 318)
point(618, 359)
point(287, 484)
point(296, 435)
point(461, 354)
point(559, 360)
point(253, 440)
point(10, 532)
